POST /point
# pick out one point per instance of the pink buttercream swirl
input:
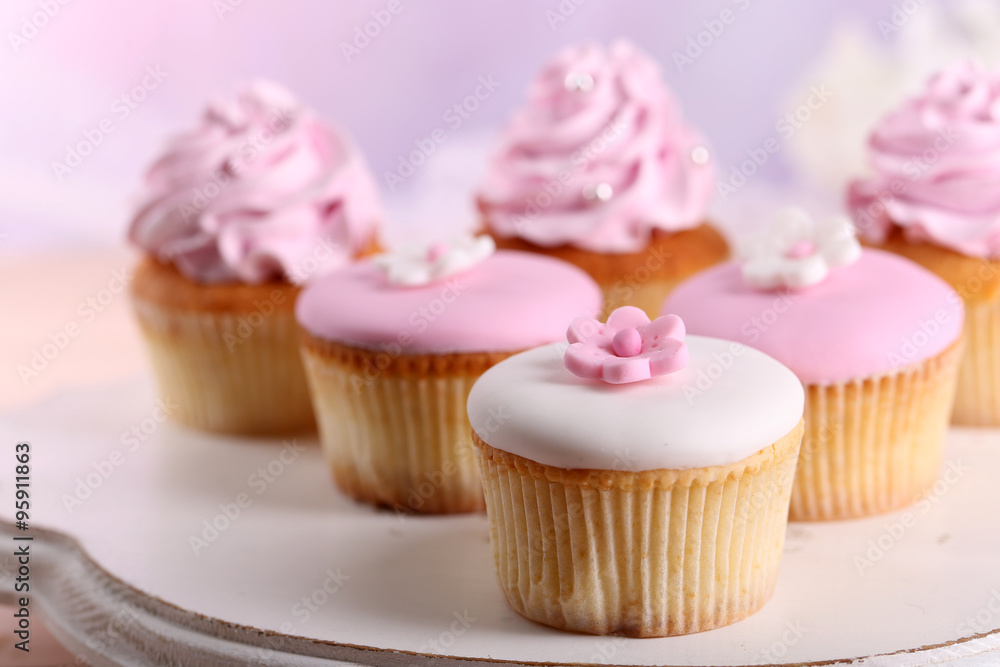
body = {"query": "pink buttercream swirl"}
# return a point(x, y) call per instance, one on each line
point(262, 189)
point(628, 348)
point(937, 163)
point(598, 157)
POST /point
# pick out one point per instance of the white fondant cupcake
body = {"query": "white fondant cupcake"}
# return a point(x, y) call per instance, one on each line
point(618, 503)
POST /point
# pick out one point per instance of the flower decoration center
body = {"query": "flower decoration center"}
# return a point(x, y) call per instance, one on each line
point(436, 251)
point(579, 82)
point(627, 348)
point(800, 249)
point(797, 251)
point(627, 342)
point(598, 194)
point(434, 262)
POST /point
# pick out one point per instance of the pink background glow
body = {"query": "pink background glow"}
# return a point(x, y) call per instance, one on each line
point(65, 79)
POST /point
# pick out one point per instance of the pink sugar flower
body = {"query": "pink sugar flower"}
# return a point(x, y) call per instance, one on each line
point(628, 348)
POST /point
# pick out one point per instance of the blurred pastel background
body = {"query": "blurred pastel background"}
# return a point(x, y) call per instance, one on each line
point(110, 80)
point(737, 66)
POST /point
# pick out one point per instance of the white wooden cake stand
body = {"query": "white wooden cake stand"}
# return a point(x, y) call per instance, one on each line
point(157, 545)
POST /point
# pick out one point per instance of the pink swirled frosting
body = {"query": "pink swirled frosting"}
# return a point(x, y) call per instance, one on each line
point(262, 189)
point(937, 163)
point(598, 157)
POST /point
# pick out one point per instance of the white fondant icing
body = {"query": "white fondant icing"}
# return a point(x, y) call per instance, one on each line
point(730, 402)
point(798, 251)
point(438, 261)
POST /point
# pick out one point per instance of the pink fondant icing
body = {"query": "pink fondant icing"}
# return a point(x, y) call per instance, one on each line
point(510, 301)
point(937, 164)
point(872, 317)
point(627, 348)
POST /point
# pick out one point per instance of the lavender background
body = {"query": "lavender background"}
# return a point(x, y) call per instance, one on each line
point(65, 78)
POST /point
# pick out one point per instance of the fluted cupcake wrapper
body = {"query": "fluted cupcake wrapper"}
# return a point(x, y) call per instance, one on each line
point(650, 554)
point(235, 372)
point(977, 400)
point(394, 427)
point(874, 445)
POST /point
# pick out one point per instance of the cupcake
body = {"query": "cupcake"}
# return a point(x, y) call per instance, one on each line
point(875, 339)
point(392, 346)
point(617, 505)
point(237, 213)
point(934, 199)
point(599, 169)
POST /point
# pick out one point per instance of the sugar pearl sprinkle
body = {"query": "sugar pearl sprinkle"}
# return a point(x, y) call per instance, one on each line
point(699, 155)
point(579, 82)
point(602, 192)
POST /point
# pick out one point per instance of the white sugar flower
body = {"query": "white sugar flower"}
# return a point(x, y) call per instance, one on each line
point(798, 252)
point(413, 267)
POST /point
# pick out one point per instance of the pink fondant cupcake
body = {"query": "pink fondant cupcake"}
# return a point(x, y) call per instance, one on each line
point(599, 169)
point(393, 345)
point(237, 213)
point(935, 199)
point(876, 341)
